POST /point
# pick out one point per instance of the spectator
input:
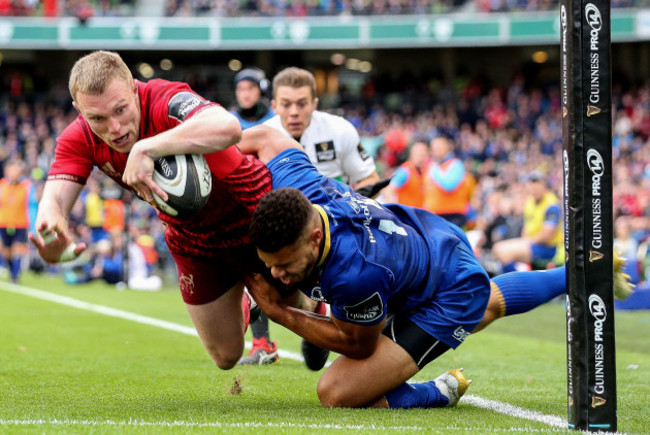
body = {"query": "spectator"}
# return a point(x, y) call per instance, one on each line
point(542, 231)
point(407, 183)
point(448, 186)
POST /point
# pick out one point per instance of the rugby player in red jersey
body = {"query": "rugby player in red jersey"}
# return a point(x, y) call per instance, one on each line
point(123, 125)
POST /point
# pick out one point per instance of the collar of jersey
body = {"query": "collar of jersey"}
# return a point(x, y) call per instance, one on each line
point(328, 238)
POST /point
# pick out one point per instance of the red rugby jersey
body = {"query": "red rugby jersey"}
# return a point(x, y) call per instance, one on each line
point(238, 181)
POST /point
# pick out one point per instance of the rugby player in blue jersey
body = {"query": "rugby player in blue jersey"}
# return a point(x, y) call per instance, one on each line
point(403, 284)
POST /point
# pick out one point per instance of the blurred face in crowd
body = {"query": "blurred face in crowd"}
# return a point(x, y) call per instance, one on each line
point(13, 171)
point(295, 107)
point(114, 115)
point(440, 147)
point(247, 94)
point(419, 154)
point(537, 189)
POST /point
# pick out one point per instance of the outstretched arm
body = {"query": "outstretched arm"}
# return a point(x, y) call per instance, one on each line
point(266, 142)
point(52, 222)
point(351, 340)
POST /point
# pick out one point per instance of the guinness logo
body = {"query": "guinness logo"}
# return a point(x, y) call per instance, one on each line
point(592, 110)
point(595, 255)
point(323, 146)
point(565, 112)
point(597, 401)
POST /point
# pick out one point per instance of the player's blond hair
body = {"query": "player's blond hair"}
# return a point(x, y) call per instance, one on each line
point(296, 78)
point(93, 73)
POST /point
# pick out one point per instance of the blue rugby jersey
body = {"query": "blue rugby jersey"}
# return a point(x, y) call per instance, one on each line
point(378, 259)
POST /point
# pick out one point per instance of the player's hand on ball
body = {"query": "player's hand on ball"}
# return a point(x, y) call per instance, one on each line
point(54, 245)
point(138, 174)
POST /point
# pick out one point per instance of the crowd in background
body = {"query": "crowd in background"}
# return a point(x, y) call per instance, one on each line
point(85, 9)
point(501, 134)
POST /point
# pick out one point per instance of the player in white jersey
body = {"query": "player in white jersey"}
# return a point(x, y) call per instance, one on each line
point(331, 142)
point(333, 146)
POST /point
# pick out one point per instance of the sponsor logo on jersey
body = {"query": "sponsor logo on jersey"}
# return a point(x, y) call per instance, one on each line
point(460, 334)
point(325, 151)
point(362, 152)
point(317, 295)
point(182, 104)
point(367, 310)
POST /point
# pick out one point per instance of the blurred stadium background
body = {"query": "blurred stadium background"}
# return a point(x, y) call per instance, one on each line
point(485, 72)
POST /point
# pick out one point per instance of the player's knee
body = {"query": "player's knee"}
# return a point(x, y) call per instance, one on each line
point(224, 359)
point(332, 394)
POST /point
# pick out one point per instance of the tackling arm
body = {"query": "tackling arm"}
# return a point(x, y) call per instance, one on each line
point(351, 340)
point(266, 142)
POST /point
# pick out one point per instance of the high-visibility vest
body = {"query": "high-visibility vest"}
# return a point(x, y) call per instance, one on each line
point(14, 203)
point(412, 192)
point(440, 201)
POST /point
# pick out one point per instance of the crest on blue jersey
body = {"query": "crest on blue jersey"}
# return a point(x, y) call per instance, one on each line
point(366, 311)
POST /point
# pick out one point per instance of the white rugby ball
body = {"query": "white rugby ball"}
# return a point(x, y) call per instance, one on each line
point(187, 180)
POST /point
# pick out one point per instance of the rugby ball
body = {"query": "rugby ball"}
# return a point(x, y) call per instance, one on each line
point(187, 180)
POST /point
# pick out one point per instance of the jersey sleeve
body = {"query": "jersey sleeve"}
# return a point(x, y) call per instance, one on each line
point(292, 168)
point(357, 163)
point(71, 160)
point(360, 292)
point(400, 177)
point(552, 216)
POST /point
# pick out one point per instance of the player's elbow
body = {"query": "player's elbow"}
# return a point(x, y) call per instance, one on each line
point(232, 131)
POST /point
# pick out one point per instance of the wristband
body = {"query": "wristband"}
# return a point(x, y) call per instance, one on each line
point(68, 253)
point(48, 235)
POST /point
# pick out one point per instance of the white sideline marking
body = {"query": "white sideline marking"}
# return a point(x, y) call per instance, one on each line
point(493, 405)
point(253, 424)
point(114, 312)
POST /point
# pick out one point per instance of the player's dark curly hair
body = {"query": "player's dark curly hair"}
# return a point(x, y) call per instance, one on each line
point(280, 219)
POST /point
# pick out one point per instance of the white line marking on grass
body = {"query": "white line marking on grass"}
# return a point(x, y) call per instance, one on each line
point(253, 424)
point(514, 411)
point(493, 405)
point(114, 312)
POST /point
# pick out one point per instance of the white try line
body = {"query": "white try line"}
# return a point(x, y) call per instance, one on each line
point(493, 405)
point(256, 425)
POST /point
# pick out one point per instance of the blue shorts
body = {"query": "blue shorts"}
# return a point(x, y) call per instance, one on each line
point(542, 252)
point(13, 235)
point(456, 309)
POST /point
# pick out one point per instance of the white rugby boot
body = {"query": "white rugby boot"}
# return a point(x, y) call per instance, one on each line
point(453, 385)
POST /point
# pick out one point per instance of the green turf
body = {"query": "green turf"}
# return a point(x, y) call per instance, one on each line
point(66, 370)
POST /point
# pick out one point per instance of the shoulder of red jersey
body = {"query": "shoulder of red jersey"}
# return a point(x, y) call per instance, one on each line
point(176, 99)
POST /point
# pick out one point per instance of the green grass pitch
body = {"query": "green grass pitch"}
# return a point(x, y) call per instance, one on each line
point(67, 369)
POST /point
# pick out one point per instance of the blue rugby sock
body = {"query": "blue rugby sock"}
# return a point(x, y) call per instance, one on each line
point(416, 395)
point(523, 291)
point(14, 267)
point(509, 267)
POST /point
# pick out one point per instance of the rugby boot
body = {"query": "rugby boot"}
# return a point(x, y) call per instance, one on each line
point(452, 384)
point(261, 353)
point(315, 356)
